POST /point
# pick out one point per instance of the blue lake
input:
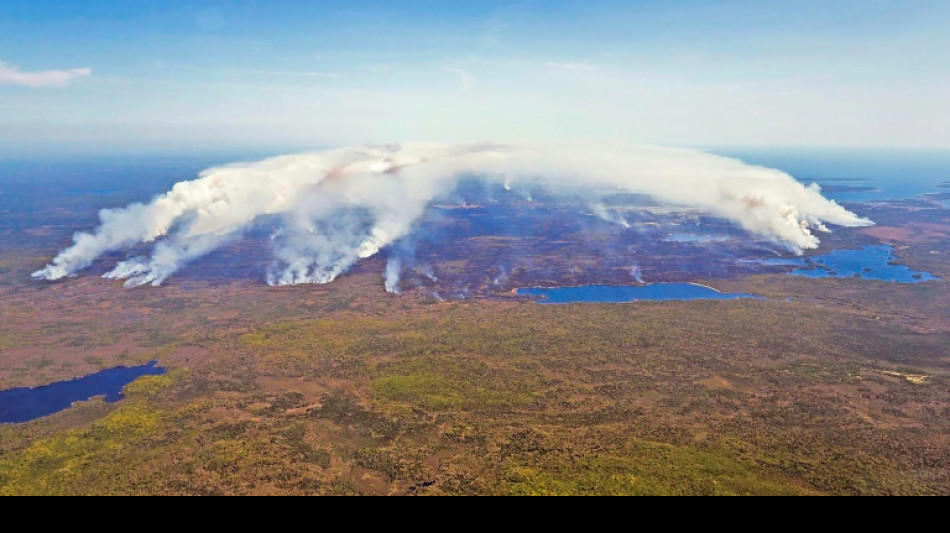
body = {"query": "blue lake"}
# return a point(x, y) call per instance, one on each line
point(617, 295)
point(872, 262)
point(23, 405)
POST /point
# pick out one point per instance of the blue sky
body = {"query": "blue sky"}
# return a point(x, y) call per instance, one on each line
point(115, 75)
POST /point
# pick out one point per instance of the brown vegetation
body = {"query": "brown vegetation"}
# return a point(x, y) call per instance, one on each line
point(346, 390)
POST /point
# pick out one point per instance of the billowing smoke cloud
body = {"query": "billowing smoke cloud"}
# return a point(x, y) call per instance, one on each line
point(337, 207)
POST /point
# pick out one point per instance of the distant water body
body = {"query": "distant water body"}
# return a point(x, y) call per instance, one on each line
point(24, 405)
point(618, 295)
point(888, 174)
point(859, 175)
point(872, 263)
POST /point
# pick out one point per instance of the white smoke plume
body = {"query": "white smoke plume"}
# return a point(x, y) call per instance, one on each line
point(637, 274)
point(607, 215)
point(429, 273)
point(393, 275)
point(337, 207)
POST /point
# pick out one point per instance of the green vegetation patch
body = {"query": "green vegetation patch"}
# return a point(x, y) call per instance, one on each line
point(647, 469)
point(92, 460)
point(454, 383)
point(8, 340)
point(69, 463)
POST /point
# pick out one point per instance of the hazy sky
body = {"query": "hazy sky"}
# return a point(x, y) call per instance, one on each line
point(113, 75)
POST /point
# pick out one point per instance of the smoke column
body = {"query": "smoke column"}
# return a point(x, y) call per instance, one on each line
point(607, 215)
point(393, 275)
point(337, 207)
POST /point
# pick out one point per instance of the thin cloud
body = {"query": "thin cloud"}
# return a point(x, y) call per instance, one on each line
point(289, 74)
point(12, 75)
point(259, 72)
point(571, 67)
point(466, 79)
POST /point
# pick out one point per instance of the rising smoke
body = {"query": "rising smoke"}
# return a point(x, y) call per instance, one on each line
point(337, 207)
point(393, 275)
